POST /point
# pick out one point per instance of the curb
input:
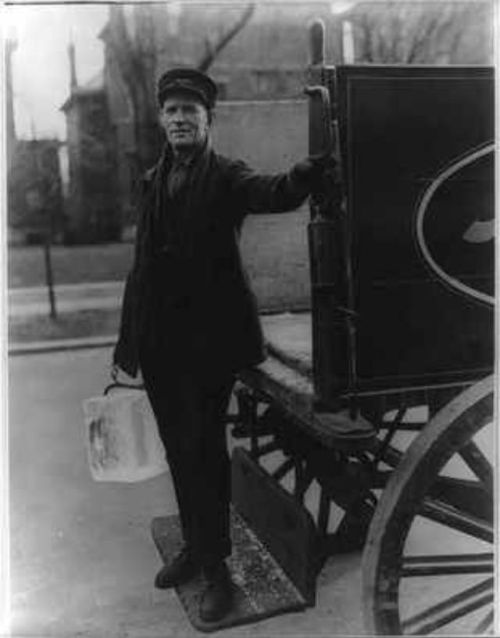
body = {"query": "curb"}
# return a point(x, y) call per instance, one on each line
point(59, 345)
point(111, 285)
point(39, 347)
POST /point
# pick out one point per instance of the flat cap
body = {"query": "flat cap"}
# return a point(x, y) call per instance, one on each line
point(187, 80)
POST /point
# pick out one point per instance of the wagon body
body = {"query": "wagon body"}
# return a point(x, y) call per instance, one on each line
point(417, 148)
point(402, 286)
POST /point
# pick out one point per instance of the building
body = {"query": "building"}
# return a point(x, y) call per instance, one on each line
point(92, 214)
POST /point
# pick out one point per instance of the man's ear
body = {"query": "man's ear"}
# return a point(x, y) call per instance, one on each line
point(161, 117)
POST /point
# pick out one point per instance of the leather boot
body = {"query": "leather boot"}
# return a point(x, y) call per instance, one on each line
point(217, 598)
point(182, 568)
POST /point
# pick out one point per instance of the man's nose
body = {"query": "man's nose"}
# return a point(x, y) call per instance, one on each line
point(179, 116)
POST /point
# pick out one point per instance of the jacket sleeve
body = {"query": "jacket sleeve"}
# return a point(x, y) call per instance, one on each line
point(125, 354)
point(256, 193)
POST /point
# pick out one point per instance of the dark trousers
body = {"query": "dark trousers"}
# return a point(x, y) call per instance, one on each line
point(189, 407)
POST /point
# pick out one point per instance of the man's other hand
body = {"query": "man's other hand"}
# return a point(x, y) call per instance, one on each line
point(313, 170)
point(114, 372)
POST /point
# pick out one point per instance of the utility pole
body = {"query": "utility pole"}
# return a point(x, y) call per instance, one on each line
point(43, 204)
point(47, 244)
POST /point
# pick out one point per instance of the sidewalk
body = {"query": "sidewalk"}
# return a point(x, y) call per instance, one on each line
point(69, 298)
point(57, 345)
point(30, 303)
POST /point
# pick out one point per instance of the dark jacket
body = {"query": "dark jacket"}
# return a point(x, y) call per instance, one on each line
point(204, 275)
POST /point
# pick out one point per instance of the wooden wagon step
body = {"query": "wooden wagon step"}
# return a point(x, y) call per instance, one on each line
point(261, 587)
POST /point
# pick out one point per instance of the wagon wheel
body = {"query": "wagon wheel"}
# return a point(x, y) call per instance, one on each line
point(428, 562)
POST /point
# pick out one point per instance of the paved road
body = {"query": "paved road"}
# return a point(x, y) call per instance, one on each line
point(35, 301)
point(82, 557)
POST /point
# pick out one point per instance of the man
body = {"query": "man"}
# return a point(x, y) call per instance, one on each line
point(189, 319)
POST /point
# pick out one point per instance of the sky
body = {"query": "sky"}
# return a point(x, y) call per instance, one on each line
point(41, 63)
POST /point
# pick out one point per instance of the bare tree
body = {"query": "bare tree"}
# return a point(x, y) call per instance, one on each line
point(134, 46)
point(421, 32)
point(213, 48)
point(135, 55)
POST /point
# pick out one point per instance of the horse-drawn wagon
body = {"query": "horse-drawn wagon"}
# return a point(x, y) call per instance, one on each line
point(399, 344)
point(370, 425)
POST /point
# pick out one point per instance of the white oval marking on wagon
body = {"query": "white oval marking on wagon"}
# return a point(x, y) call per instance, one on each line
point(422, 209)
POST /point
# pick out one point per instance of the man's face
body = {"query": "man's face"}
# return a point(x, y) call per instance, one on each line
point(185, 121)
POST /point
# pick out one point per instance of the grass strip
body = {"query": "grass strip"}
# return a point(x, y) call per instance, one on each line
point(71, 325)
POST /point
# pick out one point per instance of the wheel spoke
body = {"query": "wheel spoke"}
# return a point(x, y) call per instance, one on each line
point(282, 470)
point(303, 480)
point(451, 609)
point(479, 464)
point(391, 456)
point(446, 564)
point(266, 448)
point(466, 496)
point(485, 624)
point(466, 523)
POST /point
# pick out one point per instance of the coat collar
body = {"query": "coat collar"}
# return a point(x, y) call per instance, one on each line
point(167, 158)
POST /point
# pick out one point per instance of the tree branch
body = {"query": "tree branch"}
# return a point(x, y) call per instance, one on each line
point(212, 50)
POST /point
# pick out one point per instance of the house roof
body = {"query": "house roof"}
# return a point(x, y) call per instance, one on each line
point(95, 82)
point(94, 86)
